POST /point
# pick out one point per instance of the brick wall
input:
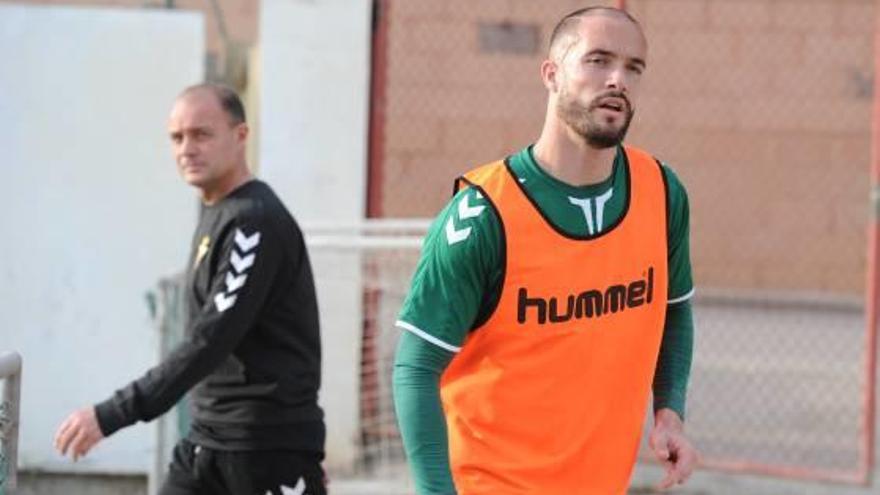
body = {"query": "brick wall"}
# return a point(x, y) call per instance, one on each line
point(761, 106)
point(450, 105)
point(764, 109)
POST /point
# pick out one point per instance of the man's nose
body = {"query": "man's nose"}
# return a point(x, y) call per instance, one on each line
point(187, 146)
point(617, 79)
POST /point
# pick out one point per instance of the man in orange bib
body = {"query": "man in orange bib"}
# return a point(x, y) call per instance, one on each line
point(551, 297)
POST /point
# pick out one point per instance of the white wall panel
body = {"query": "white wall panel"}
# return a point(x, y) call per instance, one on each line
point(92, 210)
point(314, 101)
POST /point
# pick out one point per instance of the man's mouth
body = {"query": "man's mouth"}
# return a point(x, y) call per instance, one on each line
point(612, 104)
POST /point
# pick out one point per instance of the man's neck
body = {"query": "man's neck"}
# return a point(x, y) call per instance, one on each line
point(566, 156)
point(211, 195)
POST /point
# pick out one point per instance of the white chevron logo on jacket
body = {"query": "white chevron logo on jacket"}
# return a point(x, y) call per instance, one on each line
point(237, 274)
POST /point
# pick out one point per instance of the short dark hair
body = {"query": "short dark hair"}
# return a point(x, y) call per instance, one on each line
point(229, 100)
point(567, 24)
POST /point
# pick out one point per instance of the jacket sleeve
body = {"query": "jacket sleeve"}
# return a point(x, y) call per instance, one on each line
point(250, 256)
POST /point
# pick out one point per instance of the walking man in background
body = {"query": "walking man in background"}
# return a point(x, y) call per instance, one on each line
point(551, 295)
point(252, 354)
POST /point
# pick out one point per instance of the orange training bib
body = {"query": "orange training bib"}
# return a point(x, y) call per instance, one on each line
point(548, 396)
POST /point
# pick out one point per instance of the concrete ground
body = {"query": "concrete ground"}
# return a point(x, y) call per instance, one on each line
point(45, 483)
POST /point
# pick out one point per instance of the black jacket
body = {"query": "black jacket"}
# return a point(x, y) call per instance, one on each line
point(252, 353)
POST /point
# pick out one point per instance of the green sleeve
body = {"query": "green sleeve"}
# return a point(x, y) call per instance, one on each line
point(681, 283)
point(459, 263)
point(676, 349)
point(674, 362)
point(418, 365)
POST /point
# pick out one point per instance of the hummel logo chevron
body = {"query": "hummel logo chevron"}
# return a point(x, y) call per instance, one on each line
point(246, 243)
point(299, 489)
point(465, 210)
point(224, 302)
point(453, 235)
point(234, 283)
point(236, 276)
point(241, 264)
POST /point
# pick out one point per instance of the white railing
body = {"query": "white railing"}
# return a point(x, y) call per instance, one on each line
point(10, 371)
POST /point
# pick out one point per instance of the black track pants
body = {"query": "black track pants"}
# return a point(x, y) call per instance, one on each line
point(197, 470)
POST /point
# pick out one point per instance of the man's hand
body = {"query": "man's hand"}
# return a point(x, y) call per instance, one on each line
point(78, 433)
point(672, 449)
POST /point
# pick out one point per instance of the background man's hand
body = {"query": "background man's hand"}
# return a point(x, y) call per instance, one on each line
point(672, 448)
point(78, 433)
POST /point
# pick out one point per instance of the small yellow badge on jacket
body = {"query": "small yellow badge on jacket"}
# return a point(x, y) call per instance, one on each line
point(204, 247)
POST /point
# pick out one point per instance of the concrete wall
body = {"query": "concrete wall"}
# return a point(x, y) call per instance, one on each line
point(761, 106)
point(93, 211)
point(314, 93)
point(313, 106)
point(237, 17)
point(308, 98)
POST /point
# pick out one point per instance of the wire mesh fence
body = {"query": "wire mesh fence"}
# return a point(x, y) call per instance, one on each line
point(10, 397)
point(776, 398)
point(374, 261)
point(5, 461)
point(167, 307)
point(778, 385)
point(763, 109)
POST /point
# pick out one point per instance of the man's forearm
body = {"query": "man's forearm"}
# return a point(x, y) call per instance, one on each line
point(674, 362)
point(416, 383)
point(162, 386)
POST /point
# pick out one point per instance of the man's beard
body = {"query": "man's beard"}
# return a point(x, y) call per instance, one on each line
point(583, 121)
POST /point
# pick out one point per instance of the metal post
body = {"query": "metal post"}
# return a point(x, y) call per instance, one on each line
point(10, 369)
point(378, 83)
point(872, 305)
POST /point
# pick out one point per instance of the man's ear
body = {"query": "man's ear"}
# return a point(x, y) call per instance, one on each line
point(550, 75)
point(242, 131)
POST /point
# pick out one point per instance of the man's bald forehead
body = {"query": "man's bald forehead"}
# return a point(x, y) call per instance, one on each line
point(567, 27)
point(227, 98)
